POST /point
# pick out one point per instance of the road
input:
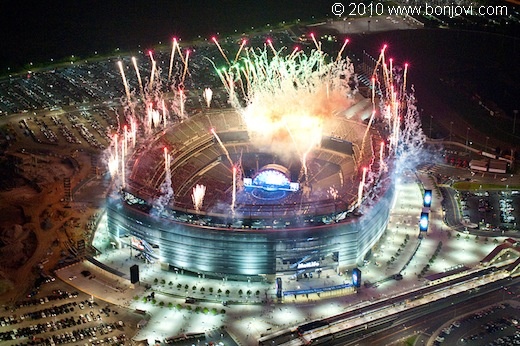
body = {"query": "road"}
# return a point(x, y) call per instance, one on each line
point(431, 317)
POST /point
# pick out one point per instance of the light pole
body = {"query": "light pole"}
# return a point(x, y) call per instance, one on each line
point(467, 137)
point(487, 139)
point(431, 120)
point(451, 128)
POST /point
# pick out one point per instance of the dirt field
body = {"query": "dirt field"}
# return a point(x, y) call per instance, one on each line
point(37, 224)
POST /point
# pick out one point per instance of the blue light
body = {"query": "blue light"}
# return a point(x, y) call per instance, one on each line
point(423, 222)
point(271, 180)
point(356, 277)
point(427, 202)
point(271, 177)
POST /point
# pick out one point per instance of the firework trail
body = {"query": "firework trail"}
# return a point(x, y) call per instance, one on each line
point(197, 196)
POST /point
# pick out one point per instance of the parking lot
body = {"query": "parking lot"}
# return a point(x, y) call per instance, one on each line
point(496, 325)
point(491, 210)
point(55, 316)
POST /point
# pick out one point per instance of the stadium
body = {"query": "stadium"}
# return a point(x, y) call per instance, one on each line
point(278, 225)
point(293, 177)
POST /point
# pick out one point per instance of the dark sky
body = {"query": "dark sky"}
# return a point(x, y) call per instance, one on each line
point(55, 29)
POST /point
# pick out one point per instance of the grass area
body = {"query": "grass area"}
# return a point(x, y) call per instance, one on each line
point(409, 341)
point(466, 185)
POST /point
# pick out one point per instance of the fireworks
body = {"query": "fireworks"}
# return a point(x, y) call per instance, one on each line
point(234, 192)
point(149, 111)
point(113, 161)
point(166, 186)
point(123, 76)
point(208, 94)
point(197, 196)
point(361, 187)
point(222, 146)
point(285, 99)
point(167, 163)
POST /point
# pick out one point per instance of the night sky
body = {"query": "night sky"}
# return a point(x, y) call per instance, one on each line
point(36, 32)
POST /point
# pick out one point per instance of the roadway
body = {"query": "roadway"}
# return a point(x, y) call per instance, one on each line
point(426, 318)
point(430, 318)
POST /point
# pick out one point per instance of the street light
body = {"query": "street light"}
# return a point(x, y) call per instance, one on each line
point(451, 128)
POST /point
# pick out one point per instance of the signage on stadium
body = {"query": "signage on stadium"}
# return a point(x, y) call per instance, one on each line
point(308, 265)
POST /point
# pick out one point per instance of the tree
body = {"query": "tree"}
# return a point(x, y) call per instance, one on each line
point(257, 293)
point(219, 291)
point(202, 290)
point(155, 281)
point(179, 286)
point(227, 292)
point(186, 287)
point(240, 292)
point(194, 288)
point(163, 281)
point(210, 290)
point(170, 283)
